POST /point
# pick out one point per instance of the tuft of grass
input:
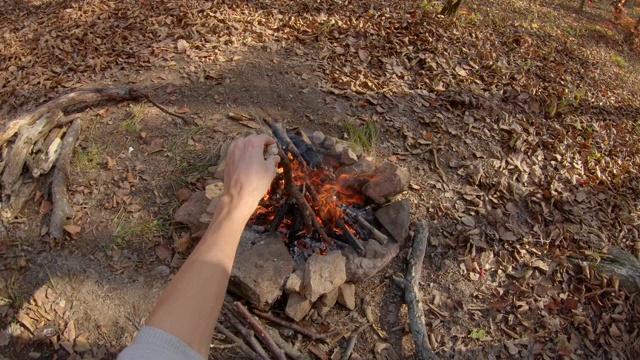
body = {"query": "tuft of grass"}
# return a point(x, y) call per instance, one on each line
point(619, 61)
point(124, 235)
point(478, 334)
point(364, 135)
point(90, 157)
point(136, 113)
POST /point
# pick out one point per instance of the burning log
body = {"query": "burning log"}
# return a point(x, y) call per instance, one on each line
point(370, 230)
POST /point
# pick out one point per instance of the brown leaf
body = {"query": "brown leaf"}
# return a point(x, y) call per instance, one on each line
point(110, 163)
point(182, 244)
point(70, 331)
point(363, 54)
point(40, 295)
point(73, 230)
point(156, 145)
point(25, 320)
point(183, 110)
point(163, 252)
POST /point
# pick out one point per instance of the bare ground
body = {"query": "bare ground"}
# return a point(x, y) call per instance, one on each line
point(559, 182)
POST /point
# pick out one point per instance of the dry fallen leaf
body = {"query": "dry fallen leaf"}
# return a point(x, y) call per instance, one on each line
point(110, 163)
point(163, 252)
point(156, 145)
point(183, 110)
point(73, 230)
point(182, 244)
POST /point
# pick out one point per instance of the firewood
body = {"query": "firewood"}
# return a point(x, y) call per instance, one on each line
point(297, 328)
point(61, 207)
point(412, 295)
point(259, 331)
point(371, 231)
point(27, 136)
point(247, 334)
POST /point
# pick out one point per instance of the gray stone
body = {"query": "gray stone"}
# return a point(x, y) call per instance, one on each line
point(190, 212)
point(326, 302)
point(329, 142)
point(297, 307)
point(294, 282)
point(395, 218)
point(323, 274)
point(347, 295)
point(219, 172)
point(317, 137)
point(348, 157)
point(261, 265)
point(389, 180)
point(161, 271)
point(361, 268)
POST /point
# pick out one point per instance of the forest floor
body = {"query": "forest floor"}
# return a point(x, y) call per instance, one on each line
point(518, 121)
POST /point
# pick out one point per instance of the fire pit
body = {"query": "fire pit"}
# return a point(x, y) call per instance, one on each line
point(327, 222)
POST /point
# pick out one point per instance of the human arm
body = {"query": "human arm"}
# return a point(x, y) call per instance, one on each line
point(190, 305)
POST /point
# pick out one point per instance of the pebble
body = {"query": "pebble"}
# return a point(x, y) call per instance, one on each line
point(317, 137)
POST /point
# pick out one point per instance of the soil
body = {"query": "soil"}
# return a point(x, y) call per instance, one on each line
point(107, 279)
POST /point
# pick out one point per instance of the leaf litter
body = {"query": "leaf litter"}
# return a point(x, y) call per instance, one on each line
point(538, 132)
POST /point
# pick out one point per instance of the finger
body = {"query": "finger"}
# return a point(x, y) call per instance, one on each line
point(264, 139)
point(272, 161)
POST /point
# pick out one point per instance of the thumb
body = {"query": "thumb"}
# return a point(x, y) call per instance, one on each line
point(272, 161)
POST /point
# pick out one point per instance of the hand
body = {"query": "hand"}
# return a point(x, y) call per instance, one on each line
point(247, 175)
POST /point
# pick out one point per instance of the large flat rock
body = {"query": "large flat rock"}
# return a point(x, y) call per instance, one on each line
point(323, 274)
point(261, 266)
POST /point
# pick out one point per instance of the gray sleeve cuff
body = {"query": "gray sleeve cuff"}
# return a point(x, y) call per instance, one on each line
point(155, 344)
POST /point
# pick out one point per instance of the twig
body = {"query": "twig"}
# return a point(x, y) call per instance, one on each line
point(260, 331)
point(246, 333)
point(283, 139)
point(352, 342)
point(167, 111)
point(229, 335)
point(297, 328)
point(412, 292)
point(437, 165)
point(289, 350)
point(61, 208)
point(349, 238)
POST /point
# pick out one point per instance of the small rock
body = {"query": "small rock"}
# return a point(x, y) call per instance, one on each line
point(294, 282)
point(317, 137)
point(347, 295)
point(189, 213)
point(214, 190)
point(361, 268)
point(395, 218)
point(182, 45)
point(348, 157)
point(297, 307)
point(219, 173)
point(323, 274)
point(260, 268)
point(362, 166)
point(161, 271)
point(389, 180)
point(34, 355)
point(329, 142)
point(326, 302)
point(81, 345)
point(338, 147)
point(184, 194)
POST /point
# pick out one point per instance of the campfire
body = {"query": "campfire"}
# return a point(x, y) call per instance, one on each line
point(311, 203)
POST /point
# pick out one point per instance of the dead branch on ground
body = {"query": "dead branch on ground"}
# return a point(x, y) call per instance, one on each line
point(412, 294)
point(259, 331)
point(229, 335)
point(61, 208)
point(247, 334)
point(297, 328)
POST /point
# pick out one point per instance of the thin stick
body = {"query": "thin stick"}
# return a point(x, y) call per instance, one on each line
point(61, 208)
point(229, 335)
point(297, 328)
point(260, 331)
point(350, 239)
point(437, 165)
point(283, 140)
point(412, 294)
point(246, 333)
point(352, 342)
point(167, 111)
point(289, 350)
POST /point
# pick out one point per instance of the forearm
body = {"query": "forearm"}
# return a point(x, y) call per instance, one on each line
point(190, 305)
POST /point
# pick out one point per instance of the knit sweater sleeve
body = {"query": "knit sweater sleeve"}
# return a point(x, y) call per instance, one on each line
point(155, 344)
